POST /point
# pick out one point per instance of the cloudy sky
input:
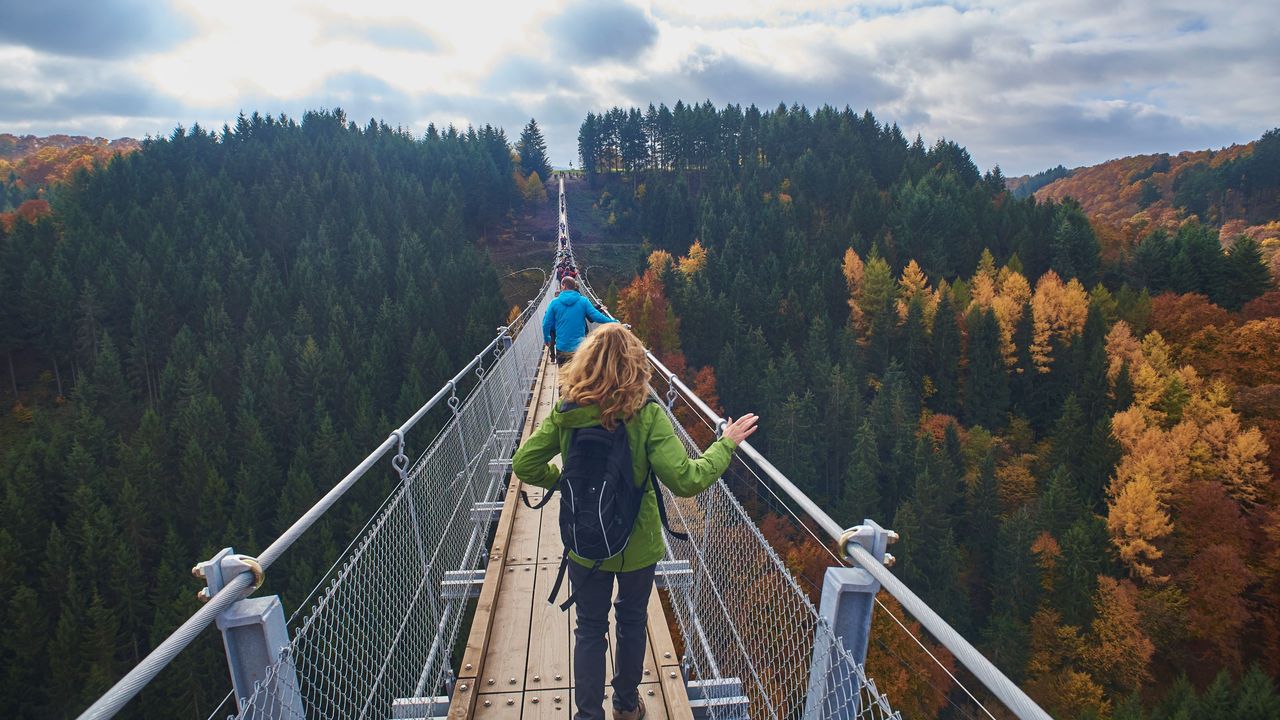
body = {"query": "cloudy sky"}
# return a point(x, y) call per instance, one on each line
point(1025, 84)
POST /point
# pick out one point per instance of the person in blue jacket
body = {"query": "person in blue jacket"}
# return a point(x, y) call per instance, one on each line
point(565, 322)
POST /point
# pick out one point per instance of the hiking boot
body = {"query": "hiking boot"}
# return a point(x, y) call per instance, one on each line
point(637, 714)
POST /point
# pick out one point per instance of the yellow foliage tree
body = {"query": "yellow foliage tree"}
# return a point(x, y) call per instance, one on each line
point(1122, 347)
point(534, 191)
point(911, 284)
point(853, 269)
point(1006, 293)
point(659, 261)
point(1015, 483)
point(1180, 431)
point(1121, 652)
point(1058, 312)
point(1053, 680)
point(1137, 519)
point(695, 261)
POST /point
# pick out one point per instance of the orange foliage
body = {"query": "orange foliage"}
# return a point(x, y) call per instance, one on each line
point(904, 673)
point(1178, 317)
point(854, 270)
point(1110, 192)
point(800, 552)
point(695, 261)
point(41, 162)
point(30, 211)
point(935, 425)
point(1269, 571)
point(1215, 540)
point(644, 305)
point(1264, 306)
point(1246, 355)
point(1121, 652)
point(704, 386)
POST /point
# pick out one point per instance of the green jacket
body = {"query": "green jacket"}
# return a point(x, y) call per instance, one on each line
point(653, 444)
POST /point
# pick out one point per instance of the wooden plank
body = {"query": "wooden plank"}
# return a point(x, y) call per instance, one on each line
point(462, 704)
point(660, 642)
point(549, 641)
point(505, 658)
point(528, 523)
point(675, 697)
point(654, 706)
point(550, 546)
point(503, 706)
point(548, 706)
point(523, 547)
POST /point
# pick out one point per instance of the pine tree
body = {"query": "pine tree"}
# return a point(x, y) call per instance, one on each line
point(1247, 275)
point(1257, 698)
point(945, 356)
point(861, 490)
point(532, 149)
point(986, 390)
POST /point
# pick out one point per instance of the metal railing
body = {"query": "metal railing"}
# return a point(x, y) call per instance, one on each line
point(382, 629)
point(514, 362)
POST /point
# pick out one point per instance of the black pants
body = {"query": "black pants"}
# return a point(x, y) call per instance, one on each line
point(561, 357)
point(631, 607)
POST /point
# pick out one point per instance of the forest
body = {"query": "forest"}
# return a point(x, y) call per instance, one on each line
point(1076, 439)
point(1076, 431)
point(201, 337)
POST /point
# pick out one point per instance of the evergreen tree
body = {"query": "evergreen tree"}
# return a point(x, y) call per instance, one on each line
point(1247, 275)
point(945, 355)
point(986, 390)
point(532, 149)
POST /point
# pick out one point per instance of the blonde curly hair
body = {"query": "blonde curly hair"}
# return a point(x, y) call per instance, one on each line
point(609, 369)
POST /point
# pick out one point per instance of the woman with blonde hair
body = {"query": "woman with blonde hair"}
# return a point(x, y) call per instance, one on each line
point(603, 390)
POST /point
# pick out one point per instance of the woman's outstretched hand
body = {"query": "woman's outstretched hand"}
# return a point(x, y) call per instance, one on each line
point(741, 429)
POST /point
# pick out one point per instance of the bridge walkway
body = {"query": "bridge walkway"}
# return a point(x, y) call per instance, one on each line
point(518, 662)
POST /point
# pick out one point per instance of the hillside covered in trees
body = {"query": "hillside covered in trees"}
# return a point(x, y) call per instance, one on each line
point(1235, 190)
point(30, 165)
point(201, 337)
point(1077, 447)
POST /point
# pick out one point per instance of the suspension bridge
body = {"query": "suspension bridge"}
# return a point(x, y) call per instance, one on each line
point(438, 607)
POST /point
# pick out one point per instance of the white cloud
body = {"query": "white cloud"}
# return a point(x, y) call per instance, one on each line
point(1022, 83)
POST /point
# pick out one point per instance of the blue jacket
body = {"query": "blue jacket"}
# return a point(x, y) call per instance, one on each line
point(567, 317)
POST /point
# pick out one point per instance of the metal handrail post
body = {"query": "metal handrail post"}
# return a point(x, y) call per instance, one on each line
point(844, 629)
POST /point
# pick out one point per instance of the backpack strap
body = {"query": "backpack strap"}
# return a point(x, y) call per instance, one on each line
point(545, 498)
point(657, 493)
point(573, 594)
point(662, 509)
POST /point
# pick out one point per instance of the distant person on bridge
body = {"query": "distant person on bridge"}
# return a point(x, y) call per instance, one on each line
point(565, 322)
point(605, 384)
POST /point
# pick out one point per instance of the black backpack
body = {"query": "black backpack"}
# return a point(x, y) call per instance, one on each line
point(601, 499)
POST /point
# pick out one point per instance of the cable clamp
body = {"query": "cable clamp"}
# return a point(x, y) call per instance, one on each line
point(856, 534)
point(229, 567)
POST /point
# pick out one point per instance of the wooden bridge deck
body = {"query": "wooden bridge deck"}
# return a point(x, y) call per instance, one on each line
point(518, 659)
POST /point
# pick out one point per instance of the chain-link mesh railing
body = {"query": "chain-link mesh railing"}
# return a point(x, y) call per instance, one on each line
point(380, 630)
point(745, 617)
